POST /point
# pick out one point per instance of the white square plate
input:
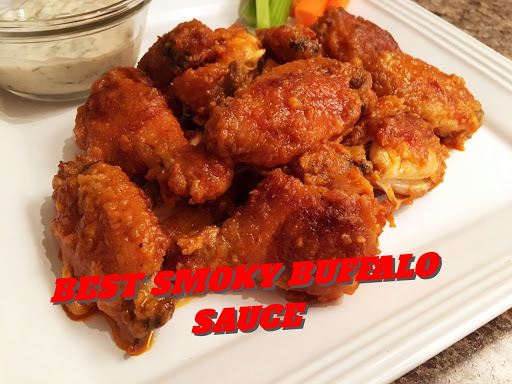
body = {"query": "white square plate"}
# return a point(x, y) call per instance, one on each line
point(374, 336)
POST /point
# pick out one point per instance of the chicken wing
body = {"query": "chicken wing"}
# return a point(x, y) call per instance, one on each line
point(184, 220)
point(285, 43)
point(344, 36)
point(285, 221)
point(440, 99)
point(126, 122)
point(335, 166)
point(290, 110)
point(189, 45)
point(104, 226)
point(407, 156)
point(192, 57)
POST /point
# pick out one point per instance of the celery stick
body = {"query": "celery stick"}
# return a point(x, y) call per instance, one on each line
point(249, 13)
point(279, 12)
point(263, 14)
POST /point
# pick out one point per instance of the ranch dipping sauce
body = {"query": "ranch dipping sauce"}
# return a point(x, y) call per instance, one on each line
point(63, 66)
point(50, 9)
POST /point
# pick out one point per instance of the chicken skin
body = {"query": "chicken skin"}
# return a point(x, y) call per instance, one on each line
point(104, 225)
point(284, 44)
point(344, 36)
point(407, 157)
point(440, 99)
point(235, 67)
point(285, 221)
point(189, 45)
point(193, 57)
point(335, 166)
point(289, 110)
point(126, 122)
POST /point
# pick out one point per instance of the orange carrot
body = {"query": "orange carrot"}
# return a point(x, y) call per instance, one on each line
point(337, 3)
point(308, 11)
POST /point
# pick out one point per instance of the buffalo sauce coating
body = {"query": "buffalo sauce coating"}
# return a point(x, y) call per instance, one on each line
point(290, 110)
point(285, 221)
point(133, 348)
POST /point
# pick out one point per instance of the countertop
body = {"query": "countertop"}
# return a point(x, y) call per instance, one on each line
point(485, 356)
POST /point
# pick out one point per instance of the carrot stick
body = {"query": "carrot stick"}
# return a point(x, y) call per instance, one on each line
point(308, 11)
point(337, 3)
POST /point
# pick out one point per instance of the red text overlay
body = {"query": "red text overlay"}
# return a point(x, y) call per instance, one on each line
point(246, 278)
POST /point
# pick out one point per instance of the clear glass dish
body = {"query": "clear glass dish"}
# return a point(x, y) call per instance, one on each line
point(59, 58)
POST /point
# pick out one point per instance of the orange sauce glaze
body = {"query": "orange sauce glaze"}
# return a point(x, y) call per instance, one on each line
point(133, 348)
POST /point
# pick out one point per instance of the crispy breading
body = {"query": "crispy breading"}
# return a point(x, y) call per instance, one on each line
point(287, 221)
point(344, 36)
point(104, 225)
point(192, 57)
point(407, 157)
point(440, 99)
point(189, 45)
point(126, 122)
point(285, 43)
point(238, 54)
point(288, 111)
point(335, 166)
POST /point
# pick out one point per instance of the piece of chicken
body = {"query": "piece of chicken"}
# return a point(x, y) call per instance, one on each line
point(284, 44)
point(407, 157)
point(192, 57)
point(285, 221)
point(290, 110)
point(189, 45)
point(183, 220)
point(104, 226)
point(126, 122)
point(335, 166)
point(440, 99)
point(344, 36)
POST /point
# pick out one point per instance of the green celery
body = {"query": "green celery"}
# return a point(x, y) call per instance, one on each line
point(262, 14)
point(279, 12)
point(249, 13)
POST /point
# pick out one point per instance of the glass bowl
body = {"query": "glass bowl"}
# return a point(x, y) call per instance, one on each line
point(59, 58)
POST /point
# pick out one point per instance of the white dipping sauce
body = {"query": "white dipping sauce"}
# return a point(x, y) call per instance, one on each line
point(69, 64)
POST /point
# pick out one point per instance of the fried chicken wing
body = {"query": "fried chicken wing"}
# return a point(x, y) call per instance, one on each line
point(104, 225)
point(440, 99)
point(335, 166)
point(285, 43)
point(344, 36)
point(288, 111)
point(407, 157)
point(192, 57)
point(238, 55)
point(189, 45)
point(287, 221)
point(126, 122)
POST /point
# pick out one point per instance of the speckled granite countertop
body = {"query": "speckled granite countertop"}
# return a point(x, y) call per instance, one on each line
point(485, 356)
